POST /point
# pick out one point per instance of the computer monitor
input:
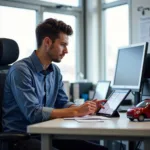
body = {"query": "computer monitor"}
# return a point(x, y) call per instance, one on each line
point(129, 68)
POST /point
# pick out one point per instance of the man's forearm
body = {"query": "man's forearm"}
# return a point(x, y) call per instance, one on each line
point(74, 111)
point(66, 112)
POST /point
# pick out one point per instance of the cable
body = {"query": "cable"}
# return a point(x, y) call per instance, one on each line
point(121, 146)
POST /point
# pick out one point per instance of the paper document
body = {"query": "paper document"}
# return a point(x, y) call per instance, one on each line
point(88, 117)
point(144, 29)
point(89, 121)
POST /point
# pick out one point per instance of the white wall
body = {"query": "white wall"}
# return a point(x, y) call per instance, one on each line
point(135, 19)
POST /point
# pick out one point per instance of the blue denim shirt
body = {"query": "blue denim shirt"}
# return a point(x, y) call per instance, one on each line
point(25, 89)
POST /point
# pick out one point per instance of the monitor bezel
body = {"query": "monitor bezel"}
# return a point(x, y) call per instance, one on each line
point(136, 88)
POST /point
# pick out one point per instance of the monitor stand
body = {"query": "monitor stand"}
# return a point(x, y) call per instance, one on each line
point(115, 114)
point(136, 98)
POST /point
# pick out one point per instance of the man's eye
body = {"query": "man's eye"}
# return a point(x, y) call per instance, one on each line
point(63, 45)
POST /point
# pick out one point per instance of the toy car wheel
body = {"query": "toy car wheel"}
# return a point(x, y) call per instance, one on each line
point(131, 119)
point(141, 118)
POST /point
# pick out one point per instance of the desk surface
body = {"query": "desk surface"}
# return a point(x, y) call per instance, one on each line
point(113, 127)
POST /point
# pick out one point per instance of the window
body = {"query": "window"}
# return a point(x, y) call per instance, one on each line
point(19, 20)
point(64, 2)
point(116, 35)
point(109, 1)
point(68, 64)
point(19, 24)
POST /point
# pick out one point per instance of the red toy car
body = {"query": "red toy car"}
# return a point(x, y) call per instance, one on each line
point(140, 111)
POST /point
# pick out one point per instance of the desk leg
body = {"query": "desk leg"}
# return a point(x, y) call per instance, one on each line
point(131, 145)
point(46, 142)
point(146, 144)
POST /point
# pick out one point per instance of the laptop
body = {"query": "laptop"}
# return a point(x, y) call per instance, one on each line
point(101, 90)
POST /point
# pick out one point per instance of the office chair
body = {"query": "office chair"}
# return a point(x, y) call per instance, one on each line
point(9, 52)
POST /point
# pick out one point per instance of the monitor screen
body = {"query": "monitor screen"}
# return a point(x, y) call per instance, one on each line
point(101, 90)
point(129, 67)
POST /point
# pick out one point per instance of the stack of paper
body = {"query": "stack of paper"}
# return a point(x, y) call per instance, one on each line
point(88, 118)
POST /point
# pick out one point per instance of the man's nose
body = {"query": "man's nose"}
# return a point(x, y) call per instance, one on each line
point(66, 50)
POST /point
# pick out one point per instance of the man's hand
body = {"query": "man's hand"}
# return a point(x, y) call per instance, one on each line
point(99, 104)
point(87, 108)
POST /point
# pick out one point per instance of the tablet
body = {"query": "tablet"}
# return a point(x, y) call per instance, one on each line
point(101, 90)
point(113, 102)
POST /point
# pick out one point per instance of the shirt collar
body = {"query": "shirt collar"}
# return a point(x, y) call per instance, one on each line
point(37, 64)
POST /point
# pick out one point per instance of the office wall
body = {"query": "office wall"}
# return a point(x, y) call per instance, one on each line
point(135, 19)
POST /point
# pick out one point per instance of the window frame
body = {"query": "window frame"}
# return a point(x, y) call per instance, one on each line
point(41, 7)
point(114, 4)
point(46, 4)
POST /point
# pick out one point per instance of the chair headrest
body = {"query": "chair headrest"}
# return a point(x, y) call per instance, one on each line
point(9, 51)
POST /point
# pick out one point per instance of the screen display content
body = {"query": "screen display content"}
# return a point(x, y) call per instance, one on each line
point(129, 67)
point(113, 102)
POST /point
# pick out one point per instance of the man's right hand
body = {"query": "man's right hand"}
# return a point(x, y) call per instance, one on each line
point(87, 108)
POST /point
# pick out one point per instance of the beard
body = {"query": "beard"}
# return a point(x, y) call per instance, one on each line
point(52, 56)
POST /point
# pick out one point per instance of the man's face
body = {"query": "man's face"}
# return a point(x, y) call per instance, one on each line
point(58, 49)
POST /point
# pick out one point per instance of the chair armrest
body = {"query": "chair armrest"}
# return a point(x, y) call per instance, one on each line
point(14, 136)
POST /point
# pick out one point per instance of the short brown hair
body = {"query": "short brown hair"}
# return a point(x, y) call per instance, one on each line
point(51, 28)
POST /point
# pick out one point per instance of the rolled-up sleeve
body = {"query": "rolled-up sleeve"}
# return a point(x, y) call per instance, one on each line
point(46, 113)
point(26, 98)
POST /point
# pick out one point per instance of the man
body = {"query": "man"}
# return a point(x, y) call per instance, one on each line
point(34, 88)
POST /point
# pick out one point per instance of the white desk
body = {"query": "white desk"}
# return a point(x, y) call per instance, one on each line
point(115, 128)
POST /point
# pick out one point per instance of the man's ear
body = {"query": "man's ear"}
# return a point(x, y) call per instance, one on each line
point(47, 42)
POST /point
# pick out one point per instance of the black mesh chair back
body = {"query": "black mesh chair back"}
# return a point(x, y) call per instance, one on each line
point(9, 52)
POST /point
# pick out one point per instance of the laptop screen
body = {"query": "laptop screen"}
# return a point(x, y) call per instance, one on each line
point(101, 90)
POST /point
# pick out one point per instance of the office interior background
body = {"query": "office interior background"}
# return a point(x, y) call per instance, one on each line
point(100, 27)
